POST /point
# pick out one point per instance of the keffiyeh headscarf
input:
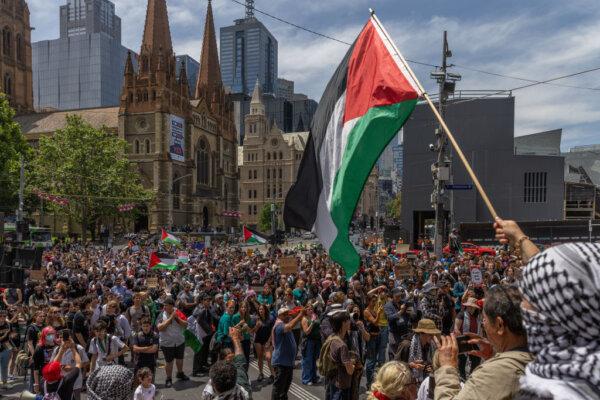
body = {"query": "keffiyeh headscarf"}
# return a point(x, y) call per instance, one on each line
point(110, 382)
point(563, 285)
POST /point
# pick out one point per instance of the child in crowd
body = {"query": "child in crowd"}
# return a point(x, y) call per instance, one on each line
point(146, 390)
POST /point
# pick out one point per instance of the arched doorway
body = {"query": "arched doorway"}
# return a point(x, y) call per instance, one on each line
point(141, 220)
point(205, 219)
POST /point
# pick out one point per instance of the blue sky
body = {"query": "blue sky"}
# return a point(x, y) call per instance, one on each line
point(536, 39)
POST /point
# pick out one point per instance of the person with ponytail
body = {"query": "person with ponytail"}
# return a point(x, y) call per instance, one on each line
point(393, 381)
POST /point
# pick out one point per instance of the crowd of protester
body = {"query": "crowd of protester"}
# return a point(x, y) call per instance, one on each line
point(401, 328)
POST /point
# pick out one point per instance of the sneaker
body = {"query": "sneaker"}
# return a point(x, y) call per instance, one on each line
point(309, 384)
point(182, 377)
point(261, 377)
point(168, 383)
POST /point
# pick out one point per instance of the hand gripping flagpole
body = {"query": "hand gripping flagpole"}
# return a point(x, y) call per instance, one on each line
point(449, 134)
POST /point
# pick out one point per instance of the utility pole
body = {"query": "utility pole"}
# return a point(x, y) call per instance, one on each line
point(441, 168)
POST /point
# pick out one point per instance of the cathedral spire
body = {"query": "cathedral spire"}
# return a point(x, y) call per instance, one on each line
point(209, 78)
point(129, 64)
point(156, 31)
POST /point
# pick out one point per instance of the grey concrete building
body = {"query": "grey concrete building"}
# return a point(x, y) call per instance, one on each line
point(285, 89)
point(84, 67)
point(521, 187)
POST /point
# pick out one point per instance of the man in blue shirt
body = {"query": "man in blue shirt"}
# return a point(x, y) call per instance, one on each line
point(284, 353)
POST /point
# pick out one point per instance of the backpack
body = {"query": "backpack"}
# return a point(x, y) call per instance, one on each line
point(22, 363)
point(52, 395)
point(325, 364)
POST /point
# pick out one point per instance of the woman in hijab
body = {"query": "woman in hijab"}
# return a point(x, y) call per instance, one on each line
point(561, 313)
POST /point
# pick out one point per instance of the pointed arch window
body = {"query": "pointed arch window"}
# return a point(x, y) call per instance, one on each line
point(6, 42)
point(202, 162)
point(147, 145)
point(136, 146)
point(20, 52)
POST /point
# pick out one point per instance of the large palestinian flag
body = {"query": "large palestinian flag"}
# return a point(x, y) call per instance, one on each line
point(251, 236)
point(365, 104)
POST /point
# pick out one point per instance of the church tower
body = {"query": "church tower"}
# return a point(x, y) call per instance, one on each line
point(256, 121)
point(154, 118)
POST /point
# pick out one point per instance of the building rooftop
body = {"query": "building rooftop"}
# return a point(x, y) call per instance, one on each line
point(582, 166)
point(47, 122)
point(539, 144)
point(296, 139)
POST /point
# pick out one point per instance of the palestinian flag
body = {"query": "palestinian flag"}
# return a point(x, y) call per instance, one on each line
point(365, 104)
point(170, 239)
point(190, 333)
point(162, 262)
point(251, 236)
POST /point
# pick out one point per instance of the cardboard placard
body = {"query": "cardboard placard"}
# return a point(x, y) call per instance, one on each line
point(37, 275)
point(152, 282)
point(402, 248)
point(288, 265)
point(476, 276)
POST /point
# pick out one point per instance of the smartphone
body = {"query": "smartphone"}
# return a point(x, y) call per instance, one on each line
point(463, 344)
point(66, 335)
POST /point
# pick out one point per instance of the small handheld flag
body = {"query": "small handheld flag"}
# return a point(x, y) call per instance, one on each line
point(168, 238)
point(251, 236)
point(165, 263)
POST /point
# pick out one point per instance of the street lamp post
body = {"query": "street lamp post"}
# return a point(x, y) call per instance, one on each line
point(171, 198)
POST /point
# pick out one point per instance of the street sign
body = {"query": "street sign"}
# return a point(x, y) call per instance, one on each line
point(458, 187)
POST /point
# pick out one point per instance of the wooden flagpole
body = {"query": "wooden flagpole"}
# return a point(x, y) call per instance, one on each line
point(449, 134)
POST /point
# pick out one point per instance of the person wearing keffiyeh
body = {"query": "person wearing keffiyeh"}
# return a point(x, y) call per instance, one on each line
point(561, 313)
point(113, 382)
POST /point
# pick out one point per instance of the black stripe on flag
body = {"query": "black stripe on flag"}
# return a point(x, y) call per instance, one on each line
point(301, 202)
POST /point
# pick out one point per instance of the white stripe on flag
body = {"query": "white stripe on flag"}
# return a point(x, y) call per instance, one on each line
point(330, 159)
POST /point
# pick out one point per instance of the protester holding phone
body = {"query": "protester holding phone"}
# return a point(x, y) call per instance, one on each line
point(70, 350)
point(468, 321)
point(504, 352)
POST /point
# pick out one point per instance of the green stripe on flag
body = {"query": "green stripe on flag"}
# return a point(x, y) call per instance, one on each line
point(367, 140)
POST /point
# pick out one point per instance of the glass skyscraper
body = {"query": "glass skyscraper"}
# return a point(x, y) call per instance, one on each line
point(84, 67)
point(248, 51)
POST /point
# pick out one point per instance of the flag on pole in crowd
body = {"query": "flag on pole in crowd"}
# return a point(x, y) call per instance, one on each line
point(183, 257)
point(251, 236)
point(162, 262)
point(192, 340)
point(365, 104)
point(168, 238)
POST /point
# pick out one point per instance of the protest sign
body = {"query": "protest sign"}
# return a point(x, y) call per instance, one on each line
point(288, 265)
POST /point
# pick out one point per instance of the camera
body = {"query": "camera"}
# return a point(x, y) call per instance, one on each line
point(431, 147)
point(354, 316)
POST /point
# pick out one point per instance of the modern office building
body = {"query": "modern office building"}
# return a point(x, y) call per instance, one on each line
point(248, 51)
point(522, 187)
point(285, 89)
point(84, 67)
point(15, 63)
point(192, 67)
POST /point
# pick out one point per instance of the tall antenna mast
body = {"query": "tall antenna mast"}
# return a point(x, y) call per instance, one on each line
point(249, 8)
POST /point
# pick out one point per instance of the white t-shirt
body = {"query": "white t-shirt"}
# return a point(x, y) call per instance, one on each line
point(67, 359)
point(103, 348)
point(142, 393)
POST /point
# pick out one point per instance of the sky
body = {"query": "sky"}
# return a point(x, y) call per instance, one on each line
point(533, 39)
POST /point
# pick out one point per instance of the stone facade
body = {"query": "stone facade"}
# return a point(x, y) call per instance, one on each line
point(199, 187)
point(196, 185)
point(15, 64)
point(269, 162)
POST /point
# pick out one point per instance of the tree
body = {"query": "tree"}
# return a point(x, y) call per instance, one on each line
point(12, 147)
point(394, 207)
point(264, 220)
point(89, 168)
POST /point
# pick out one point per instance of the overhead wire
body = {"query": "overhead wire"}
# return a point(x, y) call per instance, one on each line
point(532, 82)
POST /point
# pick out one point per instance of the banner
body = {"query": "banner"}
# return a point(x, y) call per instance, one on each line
point(177, 140)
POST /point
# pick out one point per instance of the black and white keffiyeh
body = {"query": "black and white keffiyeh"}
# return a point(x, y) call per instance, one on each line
point(563, 286)
point(110, 382)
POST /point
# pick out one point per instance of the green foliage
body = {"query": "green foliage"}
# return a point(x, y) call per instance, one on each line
point(264, 220)
point(89, 167)
point(12, 147)
point(394, 207)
